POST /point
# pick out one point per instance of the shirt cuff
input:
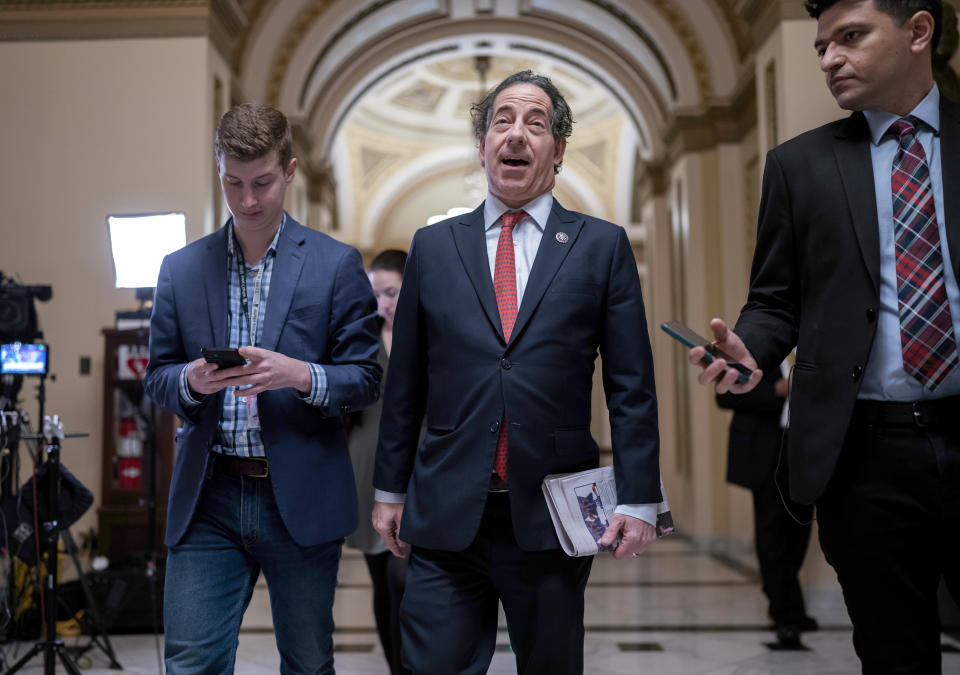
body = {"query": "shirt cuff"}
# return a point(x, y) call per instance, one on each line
point(645, 512)
point(389, 497)
point(319, 395)
point(186, 399)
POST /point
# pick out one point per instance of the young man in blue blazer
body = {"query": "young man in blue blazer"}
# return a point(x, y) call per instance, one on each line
point(262, 480)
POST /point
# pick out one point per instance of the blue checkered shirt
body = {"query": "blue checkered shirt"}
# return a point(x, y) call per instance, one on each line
point(233, 436)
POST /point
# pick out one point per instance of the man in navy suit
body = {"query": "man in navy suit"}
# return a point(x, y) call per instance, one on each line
point(498, 325)
point(857, 261)
point(263, 479)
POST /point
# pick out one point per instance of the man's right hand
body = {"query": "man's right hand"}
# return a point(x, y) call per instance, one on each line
point(386, 521)
point(204, 378)
point(725, 379)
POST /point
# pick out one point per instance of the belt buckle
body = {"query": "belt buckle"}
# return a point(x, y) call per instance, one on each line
point(266, 468)
point(918, 418)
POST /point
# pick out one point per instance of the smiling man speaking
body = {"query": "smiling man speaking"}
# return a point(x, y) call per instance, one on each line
point(501, 316)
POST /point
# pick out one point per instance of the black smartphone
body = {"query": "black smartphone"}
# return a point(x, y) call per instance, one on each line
point(680, 332)
point(224, 358)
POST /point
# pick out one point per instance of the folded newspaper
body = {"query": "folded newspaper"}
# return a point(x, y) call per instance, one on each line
point(582, 504)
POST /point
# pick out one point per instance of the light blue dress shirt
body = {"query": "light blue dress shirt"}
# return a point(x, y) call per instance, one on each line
point(884, 378)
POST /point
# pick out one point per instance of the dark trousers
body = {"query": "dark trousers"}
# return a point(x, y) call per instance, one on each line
point(388, 574)
point(781, 543)
point(890, 526)
point(449, 610)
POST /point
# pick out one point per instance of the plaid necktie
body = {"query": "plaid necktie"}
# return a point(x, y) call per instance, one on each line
point(505, 286)
point(926, 327)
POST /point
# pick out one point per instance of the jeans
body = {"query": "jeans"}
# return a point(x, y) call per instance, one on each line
point(236, 532)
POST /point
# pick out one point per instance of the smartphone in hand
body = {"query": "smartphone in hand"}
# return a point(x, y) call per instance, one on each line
point(680, 332)
point(223, 357)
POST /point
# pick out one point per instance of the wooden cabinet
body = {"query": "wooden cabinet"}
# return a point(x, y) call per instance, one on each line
point(134, 430)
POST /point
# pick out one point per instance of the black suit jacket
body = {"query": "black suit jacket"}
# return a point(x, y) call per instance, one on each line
point(450, 362)
point(815, 279)
point(754, 437)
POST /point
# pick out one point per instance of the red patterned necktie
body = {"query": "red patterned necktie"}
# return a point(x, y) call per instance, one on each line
point(926, 327)
point(505, 286)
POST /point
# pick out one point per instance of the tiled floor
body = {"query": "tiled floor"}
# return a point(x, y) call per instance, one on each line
point(673, 611)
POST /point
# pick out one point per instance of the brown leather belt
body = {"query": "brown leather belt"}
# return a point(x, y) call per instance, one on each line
point(249, 467)
point(931, 413)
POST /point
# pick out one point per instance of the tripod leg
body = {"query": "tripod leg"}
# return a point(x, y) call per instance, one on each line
point(36, 649)
point(97, 630)
point(68, 664)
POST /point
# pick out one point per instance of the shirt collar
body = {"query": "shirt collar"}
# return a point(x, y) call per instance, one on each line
point(231, 248)
point(537, 208)
point(927, 111)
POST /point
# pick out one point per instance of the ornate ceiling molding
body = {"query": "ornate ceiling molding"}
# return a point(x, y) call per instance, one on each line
point(718, 124)
point(741, 37)
point(222, 20)
point(291, 42)
point(763, 16)
point(691, 45)
point(623, 17)
point(253, 16)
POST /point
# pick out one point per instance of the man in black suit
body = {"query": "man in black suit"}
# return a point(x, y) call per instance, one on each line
point(856, 264)
point(500, 318)
point(781, 527)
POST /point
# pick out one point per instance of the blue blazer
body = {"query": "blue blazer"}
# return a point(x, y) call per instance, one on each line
point(320, 309)
point(450, 362)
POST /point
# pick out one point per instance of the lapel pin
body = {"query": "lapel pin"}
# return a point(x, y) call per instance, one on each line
point(563, 237)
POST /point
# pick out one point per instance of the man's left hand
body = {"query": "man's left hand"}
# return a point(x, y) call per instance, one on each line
point(267, 370)
point(635, 536)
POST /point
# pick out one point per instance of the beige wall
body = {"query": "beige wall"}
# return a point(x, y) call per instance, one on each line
point(90, 128)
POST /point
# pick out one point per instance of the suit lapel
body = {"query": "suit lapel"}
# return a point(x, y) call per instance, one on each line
point(470, 239)
point(950, 177)
point(852, 150)
point(283, 282)
point(549, 257)
point(214, 266)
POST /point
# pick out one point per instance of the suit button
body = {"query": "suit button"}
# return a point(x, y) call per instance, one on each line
point(495, 427)
point(505, 364)
point(857, 372)
point(871, 315)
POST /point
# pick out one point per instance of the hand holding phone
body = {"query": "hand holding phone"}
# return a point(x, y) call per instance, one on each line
point(691, 339)
point(223, 357)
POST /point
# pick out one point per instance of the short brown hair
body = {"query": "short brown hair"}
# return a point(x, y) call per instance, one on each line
point(251, 130)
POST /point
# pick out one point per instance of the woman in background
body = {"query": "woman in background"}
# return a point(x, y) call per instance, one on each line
point(386, 570)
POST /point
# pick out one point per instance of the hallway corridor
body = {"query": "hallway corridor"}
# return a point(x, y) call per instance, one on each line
point(672, 611)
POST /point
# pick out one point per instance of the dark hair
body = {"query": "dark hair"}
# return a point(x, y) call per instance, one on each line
point(561, 123)
point(391, 260)
point(251, 131)
point(900, 10)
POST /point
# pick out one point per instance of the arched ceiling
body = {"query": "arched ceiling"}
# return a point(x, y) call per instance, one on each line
point(315, 59)
point(411, 132)
point(379, 91)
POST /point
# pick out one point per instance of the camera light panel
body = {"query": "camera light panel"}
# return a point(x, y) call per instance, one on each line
point(139, 243)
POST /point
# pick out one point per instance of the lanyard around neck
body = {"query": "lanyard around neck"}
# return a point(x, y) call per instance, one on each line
point(251, 318)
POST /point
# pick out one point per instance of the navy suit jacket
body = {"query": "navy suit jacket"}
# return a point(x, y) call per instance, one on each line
point(450, 362)
point(320, 309)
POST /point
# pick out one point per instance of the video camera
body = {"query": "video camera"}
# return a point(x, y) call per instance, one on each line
point(18, 314)
point(18, 356)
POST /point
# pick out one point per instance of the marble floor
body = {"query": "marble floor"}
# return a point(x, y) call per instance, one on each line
point(673, 611)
